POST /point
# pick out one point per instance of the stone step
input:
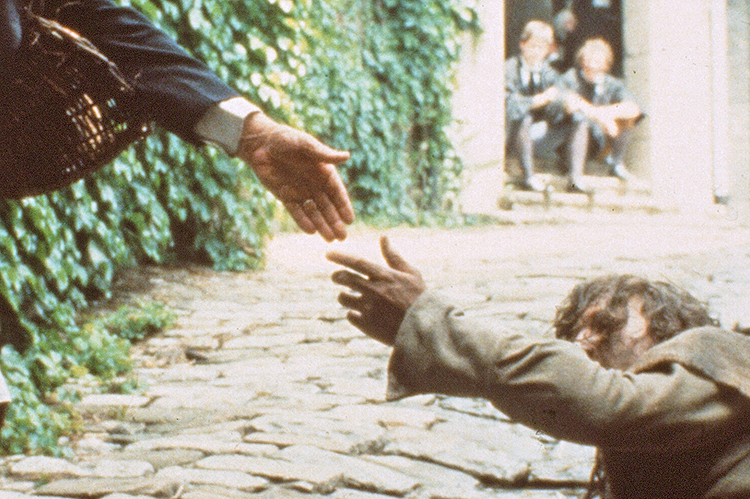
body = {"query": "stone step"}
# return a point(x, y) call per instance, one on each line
point(607, 193)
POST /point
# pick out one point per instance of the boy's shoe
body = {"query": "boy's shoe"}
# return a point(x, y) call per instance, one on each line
point(532, 183)
point(577, 187)
point(621, 172)
point(618, 170)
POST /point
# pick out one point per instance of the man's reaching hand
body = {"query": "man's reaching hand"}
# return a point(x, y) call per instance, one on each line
point(299, 170)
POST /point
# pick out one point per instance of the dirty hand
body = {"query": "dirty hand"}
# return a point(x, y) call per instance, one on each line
point(381, 295)
point(299, 170)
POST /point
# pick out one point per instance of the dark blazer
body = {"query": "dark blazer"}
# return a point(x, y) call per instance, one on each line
point(613, 89)
point(517, 94)
point(174, 87)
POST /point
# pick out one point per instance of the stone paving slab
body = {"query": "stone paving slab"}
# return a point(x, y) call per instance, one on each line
point(262, 390)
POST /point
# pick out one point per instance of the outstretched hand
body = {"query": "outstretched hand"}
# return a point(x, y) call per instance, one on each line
point(299, 170)
point(381, 295)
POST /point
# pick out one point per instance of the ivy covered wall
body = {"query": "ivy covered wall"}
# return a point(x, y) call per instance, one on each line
point(369, 76)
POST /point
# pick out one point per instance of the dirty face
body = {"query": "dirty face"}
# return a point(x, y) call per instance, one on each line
point(534, 51)
point(614, 340)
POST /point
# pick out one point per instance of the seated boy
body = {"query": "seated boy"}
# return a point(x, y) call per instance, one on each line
point(601, 112)
point(529, 89)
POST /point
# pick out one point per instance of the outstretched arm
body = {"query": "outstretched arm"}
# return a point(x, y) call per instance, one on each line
point(173, 87)
point(185, 97)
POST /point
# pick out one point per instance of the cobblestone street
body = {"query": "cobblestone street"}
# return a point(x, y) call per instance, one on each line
point(263, 390)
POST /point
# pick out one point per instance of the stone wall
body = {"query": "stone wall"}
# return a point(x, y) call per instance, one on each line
point(738, 176)
point(478, 104)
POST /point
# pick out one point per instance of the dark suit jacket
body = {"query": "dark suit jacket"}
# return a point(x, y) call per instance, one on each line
point(174, 87)
point(517, 94)
point(613, 89)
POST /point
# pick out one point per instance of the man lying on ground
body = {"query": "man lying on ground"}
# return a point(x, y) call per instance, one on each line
point(638, 369)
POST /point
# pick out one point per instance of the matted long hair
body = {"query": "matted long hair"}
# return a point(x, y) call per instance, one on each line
point(668, 309)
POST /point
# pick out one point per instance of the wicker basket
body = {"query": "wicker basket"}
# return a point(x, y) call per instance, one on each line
point(67, 111)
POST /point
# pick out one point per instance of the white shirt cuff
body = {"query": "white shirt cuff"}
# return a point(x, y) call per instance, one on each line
point(222, 124)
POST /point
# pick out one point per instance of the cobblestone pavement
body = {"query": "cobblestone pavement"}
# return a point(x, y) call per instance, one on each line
point(263, 390)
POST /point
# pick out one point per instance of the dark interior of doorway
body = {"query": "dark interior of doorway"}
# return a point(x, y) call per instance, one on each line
point(595, 18)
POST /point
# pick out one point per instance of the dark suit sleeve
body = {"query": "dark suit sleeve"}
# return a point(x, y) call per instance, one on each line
point(175, 88)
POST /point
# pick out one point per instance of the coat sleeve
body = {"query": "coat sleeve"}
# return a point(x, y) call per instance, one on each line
point(176, 88)
point(617, 92)
point(517, 105)
point(550, 385)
